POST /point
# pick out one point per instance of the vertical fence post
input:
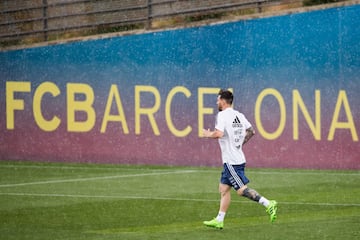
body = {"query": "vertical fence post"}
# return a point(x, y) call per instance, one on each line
point(45, 19)
point(149, 13)
point(259, 7)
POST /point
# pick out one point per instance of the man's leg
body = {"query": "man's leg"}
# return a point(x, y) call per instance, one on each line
point(252, 194)
point(225, 199)
point(271, 206)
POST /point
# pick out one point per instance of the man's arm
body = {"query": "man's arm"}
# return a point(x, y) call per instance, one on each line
point(212, 134)
point(249, 133)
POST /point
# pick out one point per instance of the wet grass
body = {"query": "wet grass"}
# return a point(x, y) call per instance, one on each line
point(89, 201)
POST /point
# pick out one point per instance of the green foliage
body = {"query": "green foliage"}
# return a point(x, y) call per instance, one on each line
point(89, 201)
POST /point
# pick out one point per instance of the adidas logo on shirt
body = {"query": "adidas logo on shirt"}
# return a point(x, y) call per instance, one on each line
point(236, 123)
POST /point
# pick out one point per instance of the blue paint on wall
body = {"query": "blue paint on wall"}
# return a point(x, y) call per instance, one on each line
point(309, 51)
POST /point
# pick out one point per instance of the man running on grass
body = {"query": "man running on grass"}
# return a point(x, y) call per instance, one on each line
point(233, 130)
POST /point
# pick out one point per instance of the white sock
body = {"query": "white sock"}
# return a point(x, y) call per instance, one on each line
point(220, 217)
point(263, 201)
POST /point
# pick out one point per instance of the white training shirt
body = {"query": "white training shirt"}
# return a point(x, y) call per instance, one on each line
point(233, 124)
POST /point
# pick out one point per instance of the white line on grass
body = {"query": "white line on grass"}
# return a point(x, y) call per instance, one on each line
point(165, 198)
point(307, 172)
point(251, 170)
point(94, 178)
point(98, 167)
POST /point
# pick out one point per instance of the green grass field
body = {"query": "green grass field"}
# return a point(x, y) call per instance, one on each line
point(92, 201)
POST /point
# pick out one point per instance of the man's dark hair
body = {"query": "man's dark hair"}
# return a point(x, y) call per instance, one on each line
point(226, 95)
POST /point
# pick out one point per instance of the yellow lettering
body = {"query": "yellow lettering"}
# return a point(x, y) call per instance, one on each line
point(46, 87)
point(314, 127)
point(146, 111)
point(279, 98)
point(13, 104)
point(342, 101)
point(173, 130)
point(114, 93)
point(85, 106)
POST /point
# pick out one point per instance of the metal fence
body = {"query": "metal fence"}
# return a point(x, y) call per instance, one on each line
point(43, 20)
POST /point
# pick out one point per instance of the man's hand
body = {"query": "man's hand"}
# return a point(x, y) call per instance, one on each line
point(212, 134)
point(206, 133)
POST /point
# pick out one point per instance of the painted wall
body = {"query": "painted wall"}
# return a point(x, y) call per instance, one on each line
point(142, 99)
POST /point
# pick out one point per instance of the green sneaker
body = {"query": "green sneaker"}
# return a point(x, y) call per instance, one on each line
point(271, 210)
point(214, 223)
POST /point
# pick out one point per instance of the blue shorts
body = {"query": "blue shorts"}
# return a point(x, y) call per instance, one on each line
point(234, 175)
